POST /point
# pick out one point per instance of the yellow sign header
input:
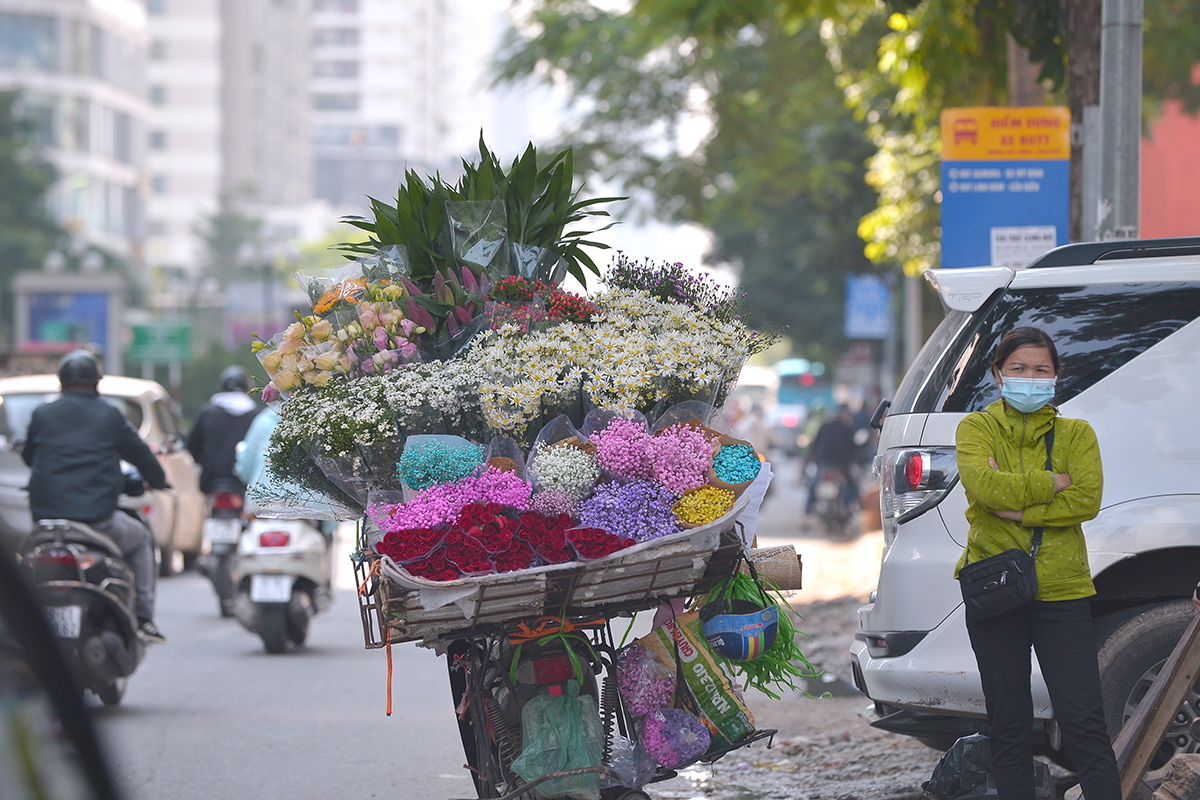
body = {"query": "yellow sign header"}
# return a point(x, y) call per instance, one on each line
point(997, 133)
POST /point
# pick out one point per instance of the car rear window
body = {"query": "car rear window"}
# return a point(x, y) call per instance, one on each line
point(17, 408)
point(1096, 329)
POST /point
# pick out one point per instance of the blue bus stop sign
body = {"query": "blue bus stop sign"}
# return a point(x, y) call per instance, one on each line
point(1005, 184)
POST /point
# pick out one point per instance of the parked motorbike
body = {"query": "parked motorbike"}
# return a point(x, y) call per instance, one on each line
point(222, 530)
point(87, 590)
point(282, 577)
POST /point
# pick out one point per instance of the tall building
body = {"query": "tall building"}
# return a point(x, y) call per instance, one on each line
point(226, 80)
point(80, 67)
point(397, 84)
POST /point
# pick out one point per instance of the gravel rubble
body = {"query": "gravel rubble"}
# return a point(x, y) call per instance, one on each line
point(823, 751)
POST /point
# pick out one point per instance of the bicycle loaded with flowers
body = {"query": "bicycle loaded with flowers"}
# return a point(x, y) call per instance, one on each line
point(515, 450)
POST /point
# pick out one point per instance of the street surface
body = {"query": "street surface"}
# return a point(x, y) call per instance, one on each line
point(211, 715)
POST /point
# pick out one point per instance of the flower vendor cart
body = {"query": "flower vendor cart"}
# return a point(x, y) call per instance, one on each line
point(526, 464)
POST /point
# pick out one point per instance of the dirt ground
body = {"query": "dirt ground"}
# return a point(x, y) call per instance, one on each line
point(823, 751)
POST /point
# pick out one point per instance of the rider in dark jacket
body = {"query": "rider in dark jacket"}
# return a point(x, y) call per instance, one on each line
point(74, 447)
point(221, 424)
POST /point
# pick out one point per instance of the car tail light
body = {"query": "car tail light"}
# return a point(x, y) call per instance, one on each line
point(555, 668)
point(912, 481)
point(227, 501)
point(56, 564)
point(274, 539)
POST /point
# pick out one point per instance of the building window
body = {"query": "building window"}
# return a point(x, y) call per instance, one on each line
point(335, 37)
point(335, 102)
point(158, 140)
point(158, 50)
point(122, 137)
point(158, 95)
point(335, 69)
point(28, 41)
point(159, 184)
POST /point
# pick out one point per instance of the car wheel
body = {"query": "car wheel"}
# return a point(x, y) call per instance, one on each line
point(1130, 659)
point(274, 628)
point(112, 693)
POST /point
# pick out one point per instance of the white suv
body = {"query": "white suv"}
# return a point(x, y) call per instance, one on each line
point(1125, 317)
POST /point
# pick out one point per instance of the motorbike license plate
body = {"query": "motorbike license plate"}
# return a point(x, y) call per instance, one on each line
point(65, 621)
point(222, 531)
point(270, 588)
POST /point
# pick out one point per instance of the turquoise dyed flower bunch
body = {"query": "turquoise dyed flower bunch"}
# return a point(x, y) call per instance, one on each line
point(433, 462)
point(736, 463)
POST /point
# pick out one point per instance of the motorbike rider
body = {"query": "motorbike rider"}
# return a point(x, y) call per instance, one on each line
point(74, 447)
point(221, 424)
point(835, 448)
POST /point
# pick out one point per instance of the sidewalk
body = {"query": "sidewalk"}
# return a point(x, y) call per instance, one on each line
point(832, 568)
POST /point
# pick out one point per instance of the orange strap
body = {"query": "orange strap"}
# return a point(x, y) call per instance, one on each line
point(372, 572)
point(547, 626)
point(389, 683)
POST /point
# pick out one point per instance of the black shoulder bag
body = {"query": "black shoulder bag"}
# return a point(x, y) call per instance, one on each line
point(1004, 582)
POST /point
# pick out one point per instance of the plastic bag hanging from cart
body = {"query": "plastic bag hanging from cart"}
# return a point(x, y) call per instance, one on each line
point(561, 732)
point(965, 773)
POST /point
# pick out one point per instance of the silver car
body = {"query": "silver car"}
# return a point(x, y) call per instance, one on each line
point(176, 517)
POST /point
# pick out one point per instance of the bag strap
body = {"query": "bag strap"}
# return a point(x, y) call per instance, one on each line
point(1037, 532)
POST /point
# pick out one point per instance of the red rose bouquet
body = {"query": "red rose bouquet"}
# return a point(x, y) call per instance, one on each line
point(592, 543)
point(547, 536)
point(467, 553)
point(407, 545)
point(433, 567)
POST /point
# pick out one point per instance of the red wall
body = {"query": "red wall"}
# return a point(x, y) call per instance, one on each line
point(1171, 176)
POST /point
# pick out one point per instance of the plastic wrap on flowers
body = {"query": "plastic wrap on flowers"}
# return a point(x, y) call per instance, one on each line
point(645, 683)
point(592, 543)
point(405, 546)
point(304, 481)
point(490, 524)
point(329, 286)
point(342, 471)
point(636, 510)
point(673, 736)
point(542, 264)
point(547, 536)
point(434, 567)
point(467, 553)
point(563, 459)
point(504, 454)
point(478, 233)
point(629, 762)
point(692, 413)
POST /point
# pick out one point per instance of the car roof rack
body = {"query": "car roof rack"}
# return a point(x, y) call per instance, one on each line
point(1074, 255)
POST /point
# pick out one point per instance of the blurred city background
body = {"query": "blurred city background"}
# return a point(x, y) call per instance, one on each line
point(169, 164)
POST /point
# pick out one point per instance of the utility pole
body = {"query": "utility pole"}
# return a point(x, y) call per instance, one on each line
point(1117, 204)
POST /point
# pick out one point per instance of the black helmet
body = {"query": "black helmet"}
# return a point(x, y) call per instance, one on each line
point(79, 368)
point(235, 379)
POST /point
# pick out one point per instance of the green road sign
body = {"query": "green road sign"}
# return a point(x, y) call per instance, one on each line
point(162, 342)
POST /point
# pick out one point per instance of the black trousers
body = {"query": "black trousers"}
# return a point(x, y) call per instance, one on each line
point(1061, 633)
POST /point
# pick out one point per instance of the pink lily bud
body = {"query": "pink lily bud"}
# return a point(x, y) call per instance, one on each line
point(462, 315)
point(469, 282)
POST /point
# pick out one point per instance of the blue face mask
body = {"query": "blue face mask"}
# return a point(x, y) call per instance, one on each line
point(1027, 394)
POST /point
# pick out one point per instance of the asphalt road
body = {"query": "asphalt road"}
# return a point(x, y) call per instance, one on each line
point(210, 715)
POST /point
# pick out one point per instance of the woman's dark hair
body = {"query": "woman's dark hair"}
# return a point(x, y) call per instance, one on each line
point(1024, 337)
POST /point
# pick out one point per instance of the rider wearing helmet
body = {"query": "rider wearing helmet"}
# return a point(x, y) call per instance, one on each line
point(74, 447)
point(221, 424)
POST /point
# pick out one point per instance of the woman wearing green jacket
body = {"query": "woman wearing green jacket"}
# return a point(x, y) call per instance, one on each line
point(1002, 466)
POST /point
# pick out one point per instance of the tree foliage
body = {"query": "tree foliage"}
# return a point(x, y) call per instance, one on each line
point(725, 115)
point(779, 149)
point(27, 230)
point(224, 235)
